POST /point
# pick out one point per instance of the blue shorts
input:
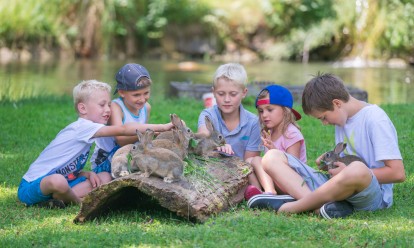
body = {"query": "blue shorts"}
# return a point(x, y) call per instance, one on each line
point(369, 199)
point(29, 192)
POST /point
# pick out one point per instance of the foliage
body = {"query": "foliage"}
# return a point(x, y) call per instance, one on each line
point(32, 124)
point(274, 29)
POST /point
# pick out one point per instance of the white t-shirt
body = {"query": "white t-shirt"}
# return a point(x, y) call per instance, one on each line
point(104, 145)
point(371, 135)
point(67, 153)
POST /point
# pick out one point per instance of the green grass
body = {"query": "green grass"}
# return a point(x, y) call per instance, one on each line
point(28, 126)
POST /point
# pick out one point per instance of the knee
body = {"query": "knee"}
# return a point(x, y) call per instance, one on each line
point(357, 173)
point(55, 183)
point(273, 157)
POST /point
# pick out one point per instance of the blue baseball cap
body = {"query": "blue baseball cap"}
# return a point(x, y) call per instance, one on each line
point(128, 76)
point(278, 95)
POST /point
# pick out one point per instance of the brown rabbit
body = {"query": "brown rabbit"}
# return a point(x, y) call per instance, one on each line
point(119, 163)
point(333, 156)
point(205, 145)
point(155, 161)
point(178, 125)
point(179, 144)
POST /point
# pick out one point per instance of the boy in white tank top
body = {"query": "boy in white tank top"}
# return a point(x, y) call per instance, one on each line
point(134, 89)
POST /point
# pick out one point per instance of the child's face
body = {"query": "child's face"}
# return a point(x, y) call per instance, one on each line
point(97, 108)
point(135, 99)
point(271, 115)
point(228, 95)
point(337, 116)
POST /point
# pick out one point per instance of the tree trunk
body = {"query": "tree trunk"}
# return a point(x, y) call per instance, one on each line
point(209, 186)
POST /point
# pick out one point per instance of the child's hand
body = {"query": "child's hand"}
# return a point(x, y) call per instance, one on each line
point(94, 179)
point(318, 160)
point(168, 126)
point(267, 139)
point(335, 171)
point(226, 149)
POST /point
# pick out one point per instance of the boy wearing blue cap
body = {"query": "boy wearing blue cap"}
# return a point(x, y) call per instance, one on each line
point(134, 89)
point(369, 134)
point(280, 131)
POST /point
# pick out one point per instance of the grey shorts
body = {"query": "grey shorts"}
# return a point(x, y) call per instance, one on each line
point(369, 199)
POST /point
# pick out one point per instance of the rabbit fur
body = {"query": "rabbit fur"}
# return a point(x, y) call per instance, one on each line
point(205, 145)
point(333, 156)
point(156, 161)
point(178, 125)
point(179, 143)
point(119, 163)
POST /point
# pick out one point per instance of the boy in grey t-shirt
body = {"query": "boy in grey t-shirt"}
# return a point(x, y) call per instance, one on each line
point(369, 134)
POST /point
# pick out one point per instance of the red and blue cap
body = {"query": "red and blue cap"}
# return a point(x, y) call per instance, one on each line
point(278, 95)
point(128, 77)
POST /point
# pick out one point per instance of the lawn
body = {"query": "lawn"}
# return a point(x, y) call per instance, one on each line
point(28, 126)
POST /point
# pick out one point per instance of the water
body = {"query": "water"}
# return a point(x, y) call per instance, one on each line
point(21, 81)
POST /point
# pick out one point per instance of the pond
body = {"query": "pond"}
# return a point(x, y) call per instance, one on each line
point(21, 81)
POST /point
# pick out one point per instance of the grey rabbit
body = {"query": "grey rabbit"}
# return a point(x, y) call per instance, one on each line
point(156, 161)
point(333, 156)
point(179, 143)
point(178, 125)
point(203, 146)
point(119, 163)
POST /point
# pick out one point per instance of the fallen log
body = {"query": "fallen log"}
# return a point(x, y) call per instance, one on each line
point(209, 186)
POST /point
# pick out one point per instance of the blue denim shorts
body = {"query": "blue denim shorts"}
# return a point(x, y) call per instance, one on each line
point(369, 199)
point(29, 192)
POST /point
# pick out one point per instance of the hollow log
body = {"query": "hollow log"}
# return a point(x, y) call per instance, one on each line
point(209, 186)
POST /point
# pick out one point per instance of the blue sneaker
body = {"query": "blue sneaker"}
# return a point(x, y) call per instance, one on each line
point(266, 201)
point(339, 209)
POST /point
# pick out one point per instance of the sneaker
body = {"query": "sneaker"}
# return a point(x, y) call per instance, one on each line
point(251, 191)
point(52, 203)
point(263, 201)
point(339, 209)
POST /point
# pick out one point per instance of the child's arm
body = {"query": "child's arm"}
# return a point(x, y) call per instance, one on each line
point(116, 120)
point(294, 149)
point(92, 177)
point(392, 172)
point(129, 129)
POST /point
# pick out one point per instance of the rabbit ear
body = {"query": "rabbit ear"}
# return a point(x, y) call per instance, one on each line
point(176, 121)
point(339, 147)
point(209, 125)
point(139, 135)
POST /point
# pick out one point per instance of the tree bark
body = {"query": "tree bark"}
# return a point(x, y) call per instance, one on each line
point(209, 187)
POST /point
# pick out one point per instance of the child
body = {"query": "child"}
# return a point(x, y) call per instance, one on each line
point(280, 131)
point(369, 134)
point(134, 88)
point(239, 127)
point(56, 177)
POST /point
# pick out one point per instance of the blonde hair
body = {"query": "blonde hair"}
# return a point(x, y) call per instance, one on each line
point(84, 89)
point(288, 116)
point(232, 72)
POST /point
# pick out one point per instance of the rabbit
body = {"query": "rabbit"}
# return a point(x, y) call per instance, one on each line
point(154, 160)
point(204, 145)
point(179, 144)
point(178, 125)
point(333, 156)
point(119, 163)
